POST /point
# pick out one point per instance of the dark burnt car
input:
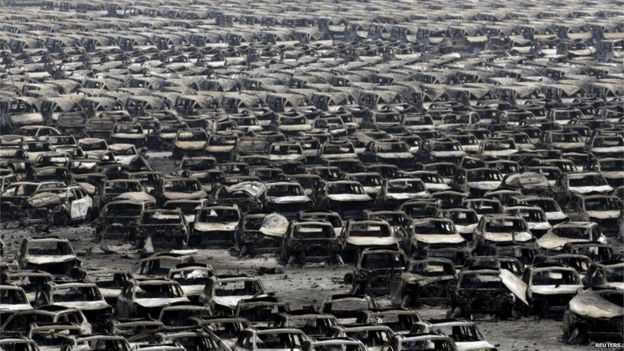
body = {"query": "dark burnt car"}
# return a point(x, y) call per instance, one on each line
point(311, 322)
point(83, 296)
point(310, 241)
point(376, 271)
point(594, 315)
point(430, 281)
point(162, 229)
point(261, 311)
point(343, 196)
point(50, 254)
point(119, 220)
point(222, 293)
point(550, 287)
point(346, 307)
point(606, 274)
point(261, 232)
point(110, 281)
point(286, 197)
point(438, 237)
point(216, 225)
point(360, 235)
point(481, 293)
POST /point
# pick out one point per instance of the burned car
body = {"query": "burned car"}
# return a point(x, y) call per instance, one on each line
point(146, 298)
point(437, 237)
point(500, 230)
point(192, 277)
point(313, 241)
point(594, 315)
point(109, 281)
point(548, 288)
point(606, 274)
point(50, 254)
point(360, 235)
point(481, 293)
point(286, 197)
point(571, 232)
point(13, 300)
point(162, 229)
point(222, 293)
point(119, 220)
point(346, 307)
point(66, 205)
point(216, 225)
point(83, 296)
point(261, 232)
point(376, 271)
point(430, 281)
point(343, 196)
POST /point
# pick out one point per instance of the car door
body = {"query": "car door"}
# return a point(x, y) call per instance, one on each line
point(80, 206)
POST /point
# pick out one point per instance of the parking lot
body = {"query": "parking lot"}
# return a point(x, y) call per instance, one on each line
point(190, 175)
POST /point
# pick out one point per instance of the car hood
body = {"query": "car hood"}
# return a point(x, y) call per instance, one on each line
point(192, 290)
point(15, 307)
point(604, 214)
point(589, 304)
point(230, 301)
point(555, 290)
point(206, 227)
point(159, 302)
point(539, 225)
point(183, 195)
point(274, 225)
point(555, 215)
point(190, 145)
point(138, 196)
point(552, 241)
point(46, 259)
point(591, 189)
point(439, 238)
point(370, 241)
point(422, 280)
point(406, 196)
point(395, 155)
point(289, 199)
point(485, 185)
point(474, 346)
point(349, 197)
point(466, 229)
point(84, 305)
point(508, 237)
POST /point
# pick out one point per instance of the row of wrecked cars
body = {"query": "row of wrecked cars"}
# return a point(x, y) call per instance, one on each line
point(467, 156)
point(172, 301)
